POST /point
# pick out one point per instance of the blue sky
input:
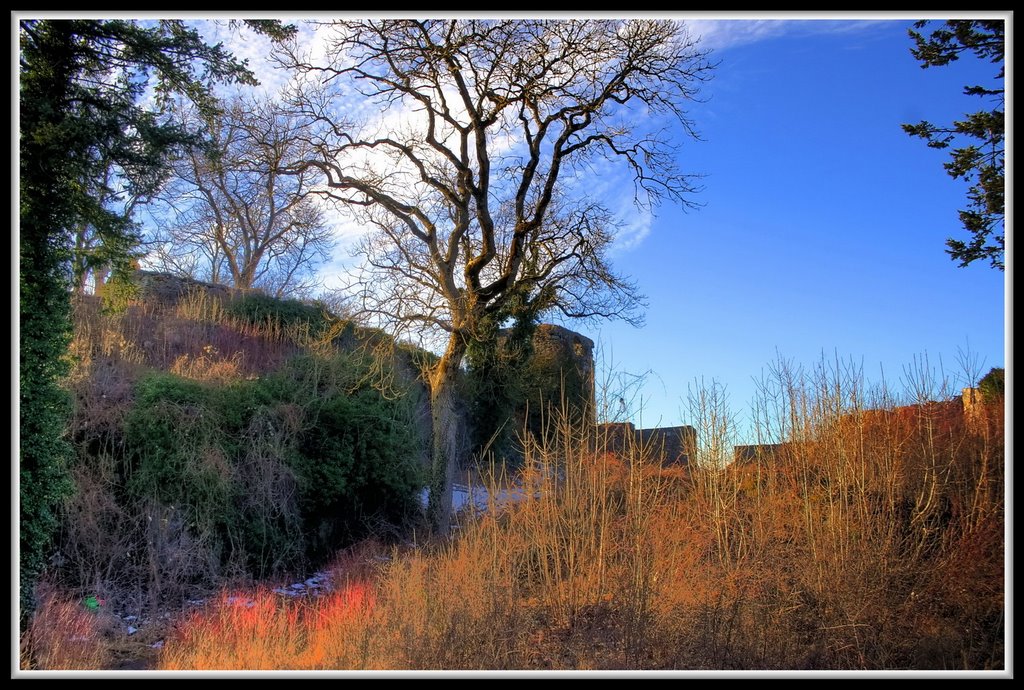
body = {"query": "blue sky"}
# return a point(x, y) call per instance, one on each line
point(822, 225)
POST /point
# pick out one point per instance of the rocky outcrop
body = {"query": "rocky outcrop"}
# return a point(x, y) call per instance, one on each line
point(166, 289)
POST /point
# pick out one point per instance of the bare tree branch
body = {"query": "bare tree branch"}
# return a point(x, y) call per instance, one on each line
point(237, 217)
point(456, 140)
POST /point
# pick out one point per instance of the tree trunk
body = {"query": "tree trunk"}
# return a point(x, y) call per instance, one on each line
point(445, 447)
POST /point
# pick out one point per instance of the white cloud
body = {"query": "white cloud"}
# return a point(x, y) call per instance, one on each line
point(608, 183)
point(721, 34)
point(724, 33)
point(255, 49)
point(611, 185)
point(634, 231)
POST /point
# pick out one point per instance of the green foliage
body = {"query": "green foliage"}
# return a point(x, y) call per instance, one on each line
point(175, 436)
point(45, 454)
point(981, 158)
point(262, 310)
point(118, 292)
point(512, 385)
point(80, 83)
point(497, 383)
point(343, 454)
point(993, 384)
point(271, 28)
point(357, 461)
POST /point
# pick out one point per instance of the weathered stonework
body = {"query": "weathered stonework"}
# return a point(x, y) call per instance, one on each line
point(943, 416)
point(973, 405)
point(563, 362)
point(167, 290)
point(753, 454)
point(675, 445)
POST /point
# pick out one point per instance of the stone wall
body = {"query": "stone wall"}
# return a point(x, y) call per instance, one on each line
point(563, 361)
point(756, 453)
point(675, 445)
point(558, 377)
point(973, 405)
point(166, 289)
point(943, 416)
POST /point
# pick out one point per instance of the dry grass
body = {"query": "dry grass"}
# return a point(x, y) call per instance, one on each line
point(196, 338)
point(65, 636)
point(209, 366)
point(870, 537)
point(262, 630)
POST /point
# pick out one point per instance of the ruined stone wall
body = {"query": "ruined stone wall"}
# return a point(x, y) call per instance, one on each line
point(562, 364)
point(675, 445)
point(534, 396)
point(757, 453)
point(166, 289)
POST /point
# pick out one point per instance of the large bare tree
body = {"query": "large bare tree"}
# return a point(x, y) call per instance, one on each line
point(471, 153)
point(234, 218)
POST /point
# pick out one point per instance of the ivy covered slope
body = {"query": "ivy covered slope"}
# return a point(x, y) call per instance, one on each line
point(232, 436)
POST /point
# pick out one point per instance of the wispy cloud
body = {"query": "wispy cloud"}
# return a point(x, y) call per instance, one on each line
point(635, 228)
point(255, 49)
point(608, 183)
point(721, 34)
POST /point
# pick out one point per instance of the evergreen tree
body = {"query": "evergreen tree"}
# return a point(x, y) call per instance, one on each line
point(81, 85)
point(981, 159)
point(993, 384)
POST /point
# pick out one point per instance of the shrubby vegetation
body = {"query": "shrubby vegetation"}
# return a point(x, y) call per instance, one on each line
point(993, 384)
point(497, 381)
point(224, 439)
point(869, 535)
point(278, 472)
point(260, 310)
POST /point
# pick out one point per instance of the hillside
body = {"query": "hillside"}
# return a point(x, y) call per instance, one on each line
point(227, 442)
point(229, 435)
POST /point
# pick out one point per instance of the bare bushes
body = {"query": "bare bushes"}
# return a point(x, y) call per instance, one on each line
point(840, 534)
point(863, 534)
point(563, 577)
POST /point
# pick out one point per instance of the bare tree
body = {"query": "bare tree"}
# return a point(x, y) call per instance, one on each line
point(474, 171)
point(234, 217)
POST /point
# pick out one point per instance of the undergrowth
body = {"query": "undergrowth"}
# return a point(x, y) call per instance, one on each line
point(865, 531)
point(869, 536)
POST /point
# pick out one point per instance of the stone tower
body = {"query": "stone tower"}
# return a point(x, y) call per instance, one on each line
point(518, 398)
point(562, 364)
